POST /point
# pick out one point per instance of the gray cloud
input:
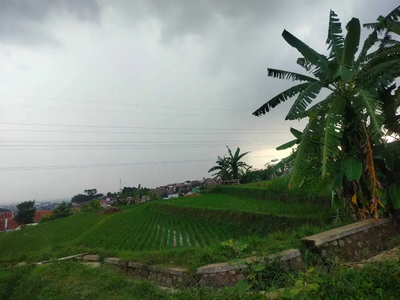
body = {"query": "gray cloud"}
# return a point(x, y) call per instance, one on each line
point(24, 21)
point(204, 54)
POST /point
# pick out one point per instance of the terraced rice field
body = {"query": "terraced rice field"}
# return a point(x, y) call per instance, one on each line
point(139, 229)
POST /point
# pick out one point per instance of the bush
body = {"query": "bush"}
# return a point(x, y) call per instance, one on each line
point(62, 211)
point(91, 205)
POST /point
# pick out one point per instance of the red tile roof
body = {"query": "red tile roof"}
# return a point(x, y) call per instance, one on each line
point(12, 224)
point(39, 214)
point(6, 215)
point(2, 224)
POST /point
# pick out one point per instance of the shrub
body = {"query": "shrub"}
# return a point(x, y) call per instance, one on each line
point(91, 205)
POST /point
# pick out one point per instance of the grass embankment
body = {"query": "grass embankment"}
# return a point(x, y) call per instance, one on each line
point(250, 205)
point(71, 281)
point(315, 192)
point(36, 243)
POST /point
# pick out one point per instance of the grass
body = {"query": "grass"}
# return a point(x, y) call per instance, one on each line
point(314, 192)
point(142, 230)
point(227, 202)
point(71, 280)
point(46, 237)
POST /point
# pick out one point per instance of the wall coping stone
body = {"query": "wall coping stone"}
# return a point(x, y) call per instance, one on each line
point(76, 256)
point(113, 261)
point(225, 267)
point(337, 233)
point(91, 257)
point(133, 264)
point(173, 271)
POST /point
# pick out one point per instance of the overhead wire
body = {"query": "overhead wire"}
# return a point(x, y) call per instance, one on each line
point(60, 167)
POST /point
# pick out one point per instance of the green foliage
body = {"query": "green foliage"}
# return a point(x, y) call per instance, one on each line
point(26, 212)
point(237, 246)
point(313, 192)
point(351, 120)
point(62, 211)
point(352, 168)
point(91, 205)
point(394, 193)
point(229, 167)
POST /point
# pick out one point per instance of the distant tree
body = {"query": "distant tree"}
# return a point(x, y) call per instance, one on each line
point(26, 212)
point(127, 190)
point(91, 192)
point(235, 164)
point(63, 210)
point(222, 168)
point(80, 198)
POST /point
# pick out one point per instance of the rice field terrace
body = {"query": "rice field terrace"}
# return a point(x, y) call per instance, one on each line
point(140, 229)
point(183, 231)
point(242, 204)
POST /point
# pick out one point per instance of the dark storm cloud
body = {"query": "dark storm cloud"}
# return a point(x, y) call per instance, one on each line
point(23, 21)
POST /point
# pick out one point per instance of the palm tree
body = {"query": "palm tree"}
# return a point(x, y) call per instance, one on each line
point(223, 168)
point(349, 122)
point(235, 164)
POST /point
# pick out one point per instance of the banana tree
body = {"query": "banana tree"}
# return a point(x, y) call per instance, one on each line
point(223, 169)
point(235, 164)
point(345, 125)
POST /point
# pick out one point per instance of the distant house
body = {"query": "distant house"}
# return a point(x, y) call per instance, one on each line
point(6, 215)
point(172, 196)
point(7, 222)
point(103, 203)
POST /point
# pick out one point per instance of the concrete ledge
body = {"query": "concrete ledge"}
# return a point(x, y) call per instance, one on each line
point(219, 268)
point(283, 256)
point(77, 256)
point(91, 258)
point(132, 264)
point(337, 233)
point(172, 271)
point(114, 261)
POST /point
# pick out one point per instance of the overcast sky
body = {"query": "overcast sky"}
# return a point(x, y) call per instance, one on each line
point(161, 85)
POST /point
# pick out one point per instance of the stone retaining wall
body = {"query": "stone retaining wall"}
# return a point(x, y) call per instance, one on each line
point(214, 275)
point(354, 242)
point(225, 274)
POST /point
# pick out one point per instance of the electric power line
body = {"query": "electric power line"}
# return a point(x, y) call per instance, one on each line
point(115, 147)
point(143, 127)
point(109, 165)
point(126, 132)
point(122, 103)
point(126, 112)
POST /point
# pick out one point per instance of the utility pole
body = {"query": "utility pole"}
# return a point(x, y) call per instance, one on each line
point(120, 186)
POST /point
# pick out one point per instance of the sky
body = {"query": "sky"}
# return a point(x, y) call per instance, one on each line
point(146, 91)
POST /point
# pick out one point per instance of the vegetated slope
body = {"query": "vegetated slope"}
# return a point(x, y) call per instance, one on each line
point(241, 204)
point(141, 229)
point(311, 192)
point(46, 235)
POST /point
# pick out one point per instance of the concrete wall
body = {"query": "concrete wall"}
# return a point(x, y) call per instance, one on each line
point(214, 275)
point(354, 242)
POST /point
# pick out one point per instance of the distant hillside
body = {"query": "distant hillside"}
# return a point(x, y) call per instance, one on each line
point(3, 210)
